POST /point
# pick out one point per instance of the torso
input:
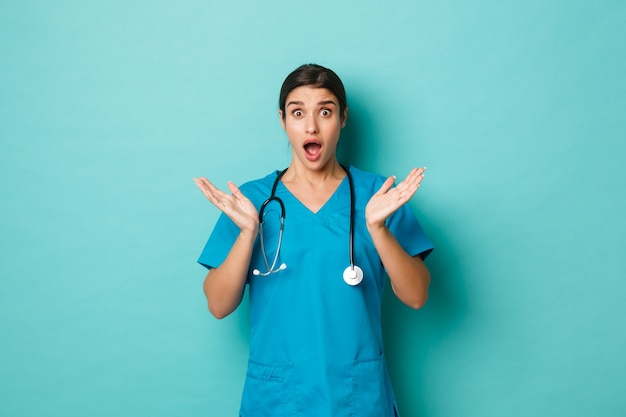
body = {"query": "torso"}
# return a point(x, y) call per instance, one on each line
point(316, 346)
point(309, 329)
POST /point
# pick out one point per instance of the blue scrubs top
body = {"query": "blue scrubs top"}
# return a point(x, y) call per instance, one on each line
point(316, 345)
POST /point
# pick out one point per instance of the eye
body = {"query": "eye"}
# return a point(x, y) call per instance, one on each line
point(297, 113)
point(325, 112)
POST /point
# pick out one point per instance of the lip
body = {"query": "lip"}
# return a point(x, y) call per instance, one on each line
point(312, 155)
point(311, 140)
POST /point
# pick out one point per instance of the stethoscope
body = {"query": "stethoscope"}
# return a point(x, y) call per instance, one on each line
point(352, 275)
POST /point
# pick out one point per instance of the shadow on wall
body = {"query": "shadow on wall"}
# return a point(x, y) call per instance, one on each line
point(410, 336)
point(354, 147)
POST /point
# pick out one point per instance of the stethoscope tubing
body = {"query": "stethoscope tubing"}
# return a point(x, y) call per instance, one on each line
point(352, 274)
point(273, 197)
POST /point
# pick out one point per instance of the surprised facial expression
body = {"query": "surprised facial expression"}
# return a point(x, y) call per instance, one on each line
point(313, 123)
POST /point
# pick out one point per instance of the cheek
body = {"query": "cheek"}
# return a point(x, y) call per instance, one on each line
point(292, 132)
point(334, 128)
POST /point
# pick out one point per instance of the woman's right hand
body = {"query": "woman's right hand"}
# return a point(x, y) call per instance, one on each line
point(236, 205)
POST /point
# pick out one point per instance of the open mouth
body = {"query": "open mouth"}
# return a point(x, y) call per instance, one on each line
point(312, 149)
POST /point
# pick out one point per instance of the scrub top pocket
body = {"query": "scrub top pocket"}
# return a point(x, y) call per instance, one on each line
point(269, 391)
point(370, 393)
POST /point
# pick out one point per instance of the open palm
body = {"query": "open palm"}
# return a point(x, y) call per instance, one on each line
point(387, 199)
point(235, 205)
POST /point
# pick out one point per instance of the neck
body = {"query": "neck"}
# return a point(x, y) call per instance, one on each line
point(300, 174)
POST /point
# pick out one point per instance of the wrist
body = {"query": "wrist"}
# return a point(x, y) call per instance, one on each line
point(376, 228)
point(249, 233)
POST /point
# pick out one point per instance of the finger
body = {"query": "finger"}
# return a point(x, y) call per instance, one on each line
point(414, 178)
point(204, 185)
point(234, 190)
point(420, 175)
point(202, 182)
point(386, 185)
point(407, 188)
point(211, 192)
point(415, 175)
point(409, 182)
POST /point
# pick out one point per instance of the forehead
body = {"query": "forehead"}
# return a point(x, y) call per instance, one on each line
point(311, 96)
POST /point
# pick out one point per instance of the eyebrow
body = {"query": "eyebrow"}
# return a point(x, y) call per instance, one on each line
point(319, 103)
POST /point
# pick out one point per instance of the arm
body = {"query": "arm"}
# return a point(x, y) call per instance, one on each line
point(409, 275)
point(224, 285)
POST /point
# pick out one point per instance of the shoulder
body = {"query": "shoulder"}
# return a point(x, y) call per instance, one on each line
point(259, 182)
point(366, 181)
point(259, 189)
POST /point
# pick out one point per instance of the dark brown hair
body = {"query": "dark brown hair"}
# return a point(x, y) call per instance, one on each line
point(316, 76)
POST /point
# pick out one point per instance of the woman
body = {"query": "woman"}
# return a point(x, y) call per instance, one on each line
point(316, 345)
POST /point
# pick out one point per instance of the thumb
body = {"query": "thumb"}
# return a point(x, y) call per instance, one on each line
point(387, 185)
point(234, 190)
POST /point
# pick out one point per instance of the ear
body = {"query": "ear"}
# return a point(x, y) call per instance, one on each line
point(344, 118)
point(282, 120)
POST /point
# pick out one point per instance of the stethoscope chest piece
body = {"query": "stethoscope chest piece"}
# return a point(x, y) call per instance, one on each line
point(353, 275)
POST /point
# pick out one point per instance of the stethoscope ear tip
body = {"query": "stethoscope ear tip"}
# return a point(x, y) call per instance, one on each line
point(257, 273)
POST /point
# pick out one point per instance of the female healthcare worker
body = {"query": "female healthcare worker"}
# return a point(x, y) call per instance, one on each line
point(315, 244)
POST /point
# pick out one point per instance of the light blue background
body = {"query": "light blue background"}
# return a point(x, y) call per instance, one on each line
point(109, 109)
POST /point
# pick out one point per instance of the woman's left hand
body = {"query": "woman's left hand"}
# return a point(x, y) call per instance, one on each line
point(387, 199)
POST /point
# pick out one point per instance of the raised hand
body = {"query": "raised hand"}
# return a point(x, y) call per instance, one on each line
point(387, 200)
point(235, 205)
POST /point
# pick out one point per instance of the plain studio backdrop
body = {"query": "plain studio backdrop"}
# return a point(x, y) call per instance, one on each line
point(108, 110)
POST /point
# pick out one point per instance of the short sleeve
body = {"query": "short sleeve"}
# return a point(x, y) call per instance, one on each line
point(221, 240)
point(409, 233)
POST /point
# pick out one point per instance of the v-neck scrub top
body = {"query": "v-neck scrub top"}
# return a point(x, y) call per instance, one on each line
point(316, 345)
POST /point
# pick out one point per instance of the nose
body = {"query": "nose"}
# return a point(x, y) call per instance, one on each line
point(311, 125)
